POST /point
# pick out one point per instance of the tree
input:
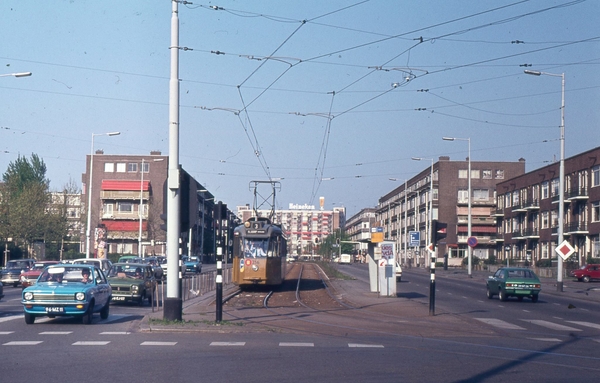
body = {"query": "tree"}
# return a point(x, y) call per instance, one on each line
point(24, 201)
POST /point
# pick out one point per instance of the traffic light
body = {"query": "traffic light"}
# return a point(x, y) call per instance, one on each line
point(438, 231)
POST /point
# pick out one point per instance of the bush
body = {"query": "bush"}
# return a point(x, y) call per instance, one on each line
point(474, 261)
point(544, 263)
point(594, 261)
point(492, 260)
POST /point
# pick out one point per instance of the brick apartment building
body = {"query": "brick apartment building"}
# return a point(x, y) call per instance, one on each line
point(406, 208)
point(527, 211)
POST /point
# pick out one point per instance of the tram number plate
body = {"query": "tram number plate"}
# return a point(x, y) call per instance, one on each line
point(55, 309)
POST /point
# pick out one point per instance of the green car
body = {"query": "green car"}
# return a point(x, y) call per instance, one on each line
point(514, 282)
point(132, 282)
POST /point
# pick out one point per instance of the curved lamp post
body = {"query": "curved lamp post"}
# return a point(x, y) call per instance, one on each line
point(469, 248)
point(561, 179)
point(89, 191)
point(20, 74)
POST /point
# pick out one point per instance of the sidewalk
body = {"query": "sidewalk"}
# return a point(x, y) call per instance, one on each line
point(199, 313)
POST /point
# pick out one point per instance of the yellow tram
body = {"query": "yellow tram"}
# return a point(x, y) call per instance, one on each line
point(259, 253)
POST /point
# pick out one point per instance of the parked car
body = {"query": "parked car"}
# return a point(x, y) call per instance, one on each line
point(192, 264)
point(586, 273)
point(398, 272)
point(12, 272)
point(29, 277)
point(132, 282)
point(1, 291)
point(156, 267)
point(102, 263)
point(61, 291)
point(514, 282)
point(131, 259)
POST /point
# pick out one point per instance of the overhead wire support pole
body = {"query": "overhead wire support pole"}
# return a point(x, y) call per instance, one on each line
point(173, 303)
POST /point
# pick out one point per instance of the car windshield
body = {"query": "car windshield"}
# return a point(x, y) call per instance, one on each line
point(38, 267)
point(66, 275)
point(528, 274)
point(17, 265)
point(125, 271)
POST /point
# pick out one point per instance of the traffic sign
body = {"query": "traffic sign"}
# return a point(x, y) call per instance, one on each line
point(431, 248)
point(415, 238)
point(565, 250)
point(472, 241)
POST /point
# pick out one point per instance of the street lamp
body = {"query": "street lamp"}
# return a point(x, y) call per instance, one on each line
point(429, 233)
point(561, 179)
point(89, 191)
point(469, 248)
point(20, 74)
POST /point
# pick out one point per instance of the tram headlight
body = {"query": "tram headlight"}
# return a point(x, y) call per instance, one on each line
point(254, 267)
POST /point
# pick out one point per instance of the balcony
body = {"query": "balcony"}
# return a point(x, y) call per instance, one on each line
point(124, 195)
point(577, 228)
point(518, 235)
point(498, 213)
point(577, 194)
point(481, 240)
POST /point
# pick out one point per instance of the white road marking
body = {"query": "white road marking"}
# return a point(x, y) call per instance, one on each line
point(296, 344)
point(91, 343)
point(12, 317)
point(6, 332)
point(22, 343)
point(500, 324)
point(551, 325)
point(56, 332)
point(228, 343)
point(359, 345)
point(158, 343)
point(585, 324)
point(115, 333)
point(546, 339)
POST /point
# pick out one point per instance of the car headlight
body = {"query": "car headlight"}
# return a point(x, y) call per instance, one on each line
point(80, 296)
point(135, 288)
point(28, 296)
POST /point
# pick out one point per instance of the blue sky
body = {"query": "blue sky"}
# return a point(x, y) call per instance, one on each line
point(299, 90)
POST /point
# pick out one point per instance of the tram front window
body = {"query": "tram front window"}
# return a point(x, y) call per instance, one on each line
point(256, 248)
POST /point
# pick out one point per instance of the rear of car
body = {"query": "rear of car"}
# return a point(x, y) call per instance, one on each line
point(11, 275)
point(514, 282)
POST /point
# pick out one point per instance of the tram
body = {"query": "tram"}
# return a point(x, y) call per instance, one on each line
point(259, 253)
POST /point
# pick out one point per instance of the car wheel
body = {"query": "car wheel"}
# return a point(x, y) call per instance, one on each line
point(586, 278)
point(15, 284)
point(142, 298)
point(29, 319)
point(105, 310)
point(502, 295)
point(580, 279)
point(534, 298)
point(489, 293)
point(87, 317)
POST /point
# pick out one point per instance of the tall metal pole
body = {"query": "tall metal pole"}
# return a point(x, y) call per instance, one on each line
point(469, 222)
point(405, 221)
point(561, 179)
point(173, 302)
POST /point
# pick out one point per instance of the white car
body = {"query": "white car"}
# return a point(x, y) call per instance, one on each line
point(398, 272)
point(101, 263)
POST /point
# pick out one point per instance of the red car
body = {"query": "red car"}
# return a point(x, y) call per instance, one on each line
point(29, 277)
point(587, 273)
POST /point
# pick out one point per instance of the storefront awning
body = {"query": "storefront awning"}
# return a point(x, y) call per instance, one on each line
point(125, 185)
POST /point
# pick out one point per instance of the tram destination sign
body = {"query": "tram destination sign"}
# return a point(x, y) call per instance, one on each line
point(256, 231)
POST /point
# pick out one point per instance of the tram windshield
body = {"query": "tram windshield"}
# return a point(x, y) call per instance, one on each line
point(256, 248)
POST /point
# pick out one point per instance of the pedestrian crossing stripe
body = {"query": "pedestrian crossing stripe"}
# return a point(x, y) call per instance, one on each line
point(500, 324)
point(296, 344)
point(551, 325)
point(228, 343)
point(585, 324)
point(358, 345)
point(91, 343)
point(23, 343)
point(158, 343)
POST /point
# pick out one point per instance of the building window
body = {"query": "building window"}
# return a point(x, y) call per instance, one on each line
point(462, 173)
point(545, 220)
point(507, 200)
point(463, 196)
point(481, 195)
point(596, 246)
point(515, 198)
point(125, 207)
point(475, 174)
point(596, 175)
point(545, 250)
point(145, 166)
point(499, 174)
point(132, 167)
point(121, 167)
point(109, 167)
point(545, 190)
point(554, 218)
point(554, 188)
point(486, 174)
point(596, 211)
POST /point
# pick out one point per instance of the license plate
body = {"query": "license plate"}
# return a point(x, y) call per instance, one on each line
point(118, 298)
point(55, 309)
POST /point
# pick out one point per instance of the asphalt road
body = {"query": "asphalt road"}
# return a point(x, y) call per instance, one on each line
point(545, 341)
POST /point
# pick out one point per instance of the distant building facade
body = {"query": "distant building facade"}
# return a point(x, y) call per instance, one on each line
point(527, 211)
point(358, 229)
point(304, 225)
point(407, 209)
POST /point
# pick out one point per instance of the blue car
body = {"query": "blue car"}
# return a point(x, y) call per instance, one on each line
point(192, 264)
point(68, 290)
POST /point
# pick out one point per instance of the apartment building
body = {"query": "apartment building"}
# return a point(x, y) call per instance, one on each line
point(527, 211)
point(411, 207)
point(358, 229)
